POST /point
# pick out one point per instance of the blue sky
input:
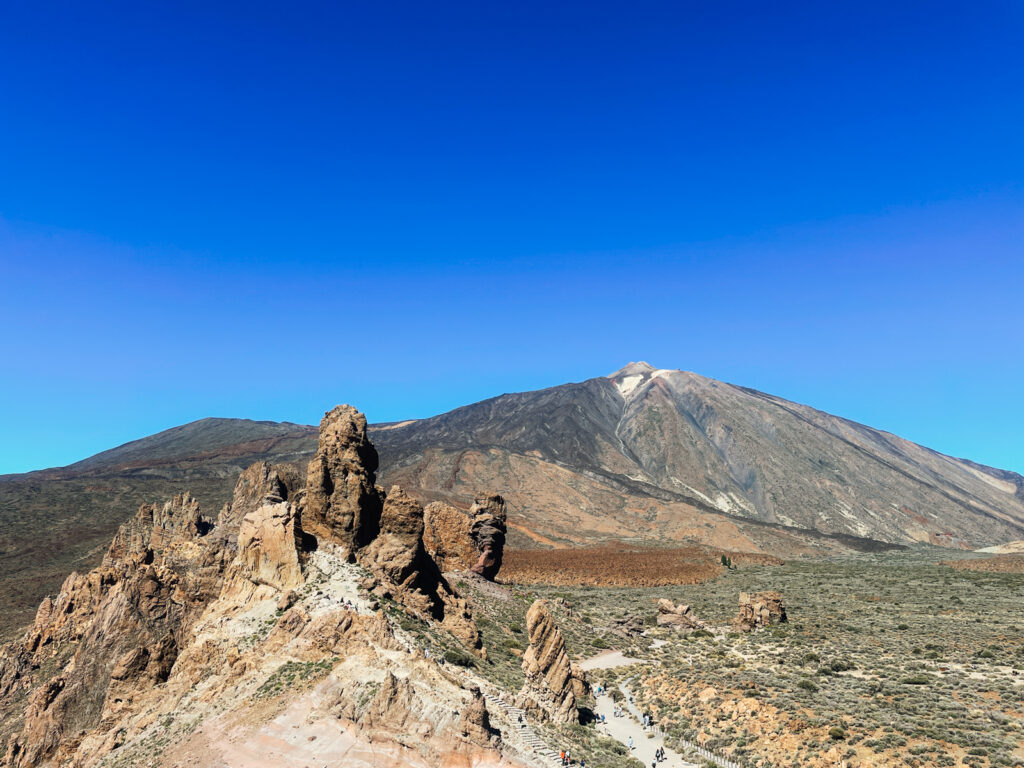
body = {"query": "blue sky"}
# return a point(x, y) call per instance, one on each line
point(259, 211)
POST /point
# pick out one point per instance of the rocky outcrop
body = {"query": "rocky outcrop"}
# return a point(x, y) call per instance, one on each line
point(270, 546)
point(677, 616)
point(467, 543)
point(115, 632)
point(447, 538)
point(258, 484)
point(399, 560)
point(475, 722)
point(553, 683)
point(488, 533)
point(182, 614)
point(760, 609)
point(342, 504)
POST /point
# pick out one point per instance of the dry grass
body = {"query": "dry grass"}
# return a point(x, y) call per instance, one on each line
point(997, 564)
point(620, 566)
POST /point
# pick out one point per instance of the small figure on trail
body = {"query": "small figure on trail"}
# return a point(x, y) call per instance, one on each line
point(631, 742)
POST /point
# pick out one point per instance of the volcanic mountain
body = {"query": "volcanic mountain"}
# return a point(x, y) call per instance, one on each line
point(644, 454)
point(658, 454)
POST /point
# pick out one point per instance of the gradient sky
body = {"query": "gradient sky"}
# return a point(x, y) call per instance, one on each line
point(261, 210)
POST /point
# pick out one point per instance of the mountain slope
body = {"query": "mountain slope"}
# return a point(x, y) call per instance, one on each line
point(57, 520)
point(643, 454)
point(656, 453)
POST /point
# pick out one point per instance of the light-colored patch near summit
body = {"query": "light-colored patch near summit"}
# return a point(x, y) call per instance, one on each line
point(628, 384)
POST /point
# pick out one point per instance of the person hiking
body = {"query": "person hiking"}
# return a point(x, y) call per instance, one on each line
point(561, 756)
point(631, 742)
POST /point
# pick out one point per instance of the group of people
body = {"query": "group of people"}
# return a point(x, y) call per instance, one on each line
point(566, 759)
point(659, 755)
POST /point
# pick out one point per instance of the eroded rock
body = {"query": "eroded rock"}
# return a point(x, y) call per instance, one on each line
point(553, 683)
point(760, 609)
point(342, 504)
point(488, 533)
point(677, 616)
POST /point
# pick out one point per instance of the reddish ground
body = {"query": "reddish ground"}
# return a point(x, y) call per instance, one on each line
point(997, 564)
point(619, 566)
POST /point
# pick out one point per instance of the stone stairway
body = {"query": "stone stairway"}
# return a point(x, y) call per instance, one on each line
point(524, 733)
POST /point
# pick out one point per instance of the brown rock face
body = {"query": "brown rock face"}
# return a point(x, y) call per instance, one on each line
point(342, 503)
point(125, 622)
point(488, 533)
point(270, 545)
point(552, 682)
point(460, 543)
point(760, 609)
point(398, 558)
point(677, 616)
point(258, 484)
point(446, 536)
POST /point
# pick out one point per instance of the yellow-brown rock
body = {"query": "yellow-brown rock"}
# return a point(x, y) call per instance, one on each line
point(552, 683)
point(758, 610)
point(342, 503)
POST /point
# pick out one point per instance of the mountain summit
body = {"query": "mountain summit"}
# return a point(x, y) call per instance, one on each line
point(655, 453)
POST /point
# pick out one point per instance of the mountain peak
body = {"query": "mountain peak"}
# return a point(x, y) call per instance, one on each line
point(634, 369)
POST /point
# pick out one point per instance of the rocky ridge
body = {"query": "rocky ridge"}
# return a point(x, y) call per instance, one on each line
point(196, 642)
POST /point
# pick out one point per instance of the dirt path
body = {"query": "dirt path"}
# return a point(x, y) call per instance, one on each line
point(628, 729)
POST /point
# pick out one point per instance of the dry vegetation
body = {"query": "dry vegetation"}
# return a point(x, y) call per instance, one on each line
point(620, 566)
point(889, 660)
point(997, 564)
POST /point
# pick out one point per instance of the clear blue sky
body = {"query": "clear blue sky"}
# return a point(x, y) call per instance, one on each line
point(261, 210)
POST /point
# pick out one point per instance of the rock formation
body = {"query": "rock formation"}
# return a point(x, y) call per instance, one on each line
point(553, 683)
point(677, 616)
point(399, 559)
point(760, 609)
point(342, 504)
point(118, 630)
point(488, 533)
point(184, 620)
point(474, 543)
point(258, 484)
point(447, 537)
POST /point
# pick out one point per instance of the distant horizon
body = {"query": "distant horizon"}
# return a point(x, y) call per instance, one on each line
point(412, 207)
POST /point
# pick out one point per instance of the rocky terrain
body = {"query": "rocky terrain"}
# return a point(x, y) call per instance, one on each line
point(644, 455)
point(56, 521)
point(258, 638)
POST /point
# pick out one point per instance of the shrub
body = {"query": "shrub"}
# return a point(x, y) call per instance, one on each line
point(807, 685)
point(919, 679)
point(836, 733)
point(458, 658)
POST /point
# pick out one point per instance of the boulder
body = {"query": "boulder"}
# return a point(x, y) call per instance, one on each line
point(553, 683)
point(677, 616)
point(760, 609)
